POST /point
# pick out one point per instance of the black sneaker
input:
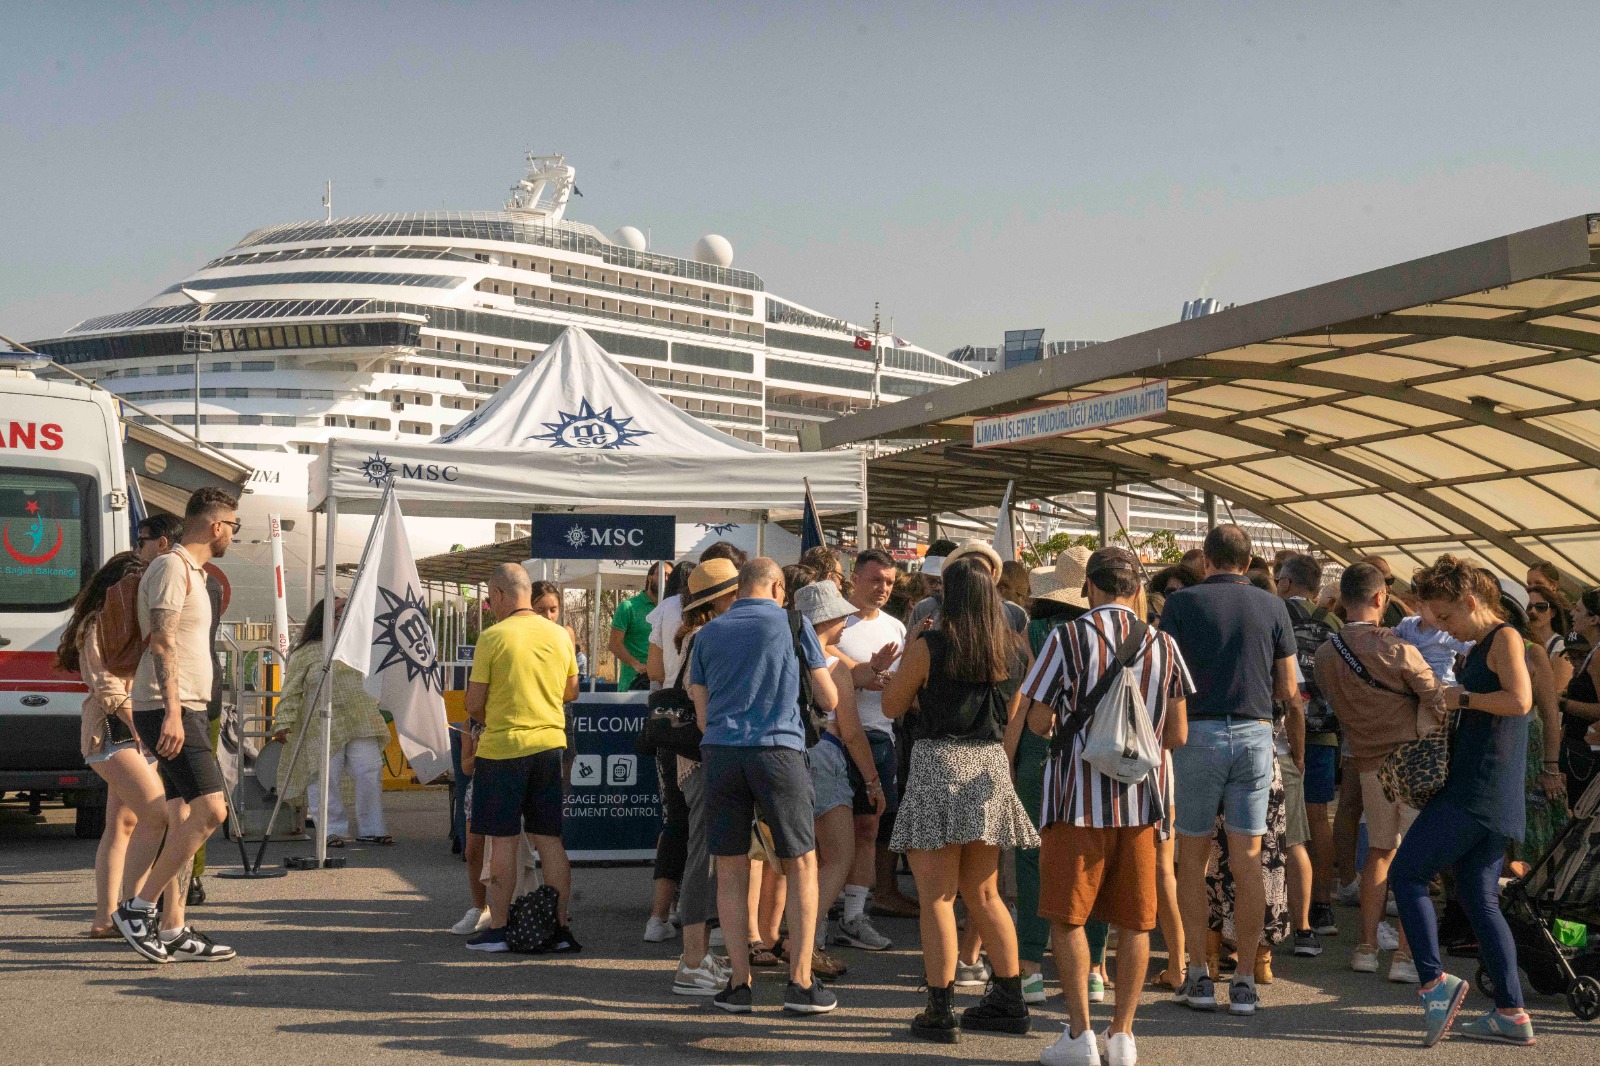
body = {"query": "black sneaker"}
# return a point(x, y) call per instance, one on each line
point(191, 946)
point(196, 894)
point(813, 1000)
point(1242, 998)
point(1322, 922)
point(489, 940)
point(138, 927)
point(1307, 945)
point(562, 943)
point(1199, 993)
point(734, 1000)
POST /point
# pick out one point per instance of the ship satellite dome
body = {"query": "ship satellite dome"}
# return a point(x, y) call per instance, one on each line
point(713, 249)
point(629, 237)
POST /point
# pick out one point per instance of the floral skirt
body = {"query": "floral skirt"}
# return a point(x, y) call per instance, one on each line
point(960, 791)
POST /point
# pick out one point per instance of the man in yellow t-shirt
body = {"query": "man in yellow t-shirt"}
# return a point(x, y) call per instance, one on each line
point(523, 671)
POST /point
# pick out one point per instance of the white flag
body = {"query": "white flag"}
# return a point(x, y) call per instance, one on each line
point(1004, 538)
point(395, 650)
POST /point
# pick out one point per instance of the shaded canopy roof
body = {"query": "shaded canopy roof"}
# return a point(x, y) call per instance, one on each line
point(1445, 404)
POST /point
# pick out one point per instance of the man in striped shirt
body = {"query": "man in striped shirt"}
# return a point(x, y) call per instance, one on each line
point(1098, 858)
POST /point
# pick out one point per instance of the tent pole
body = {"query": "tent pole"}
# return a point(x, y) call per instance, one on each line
point(329, 573)
point(595, 640)
point(311, 565)
point(761, 533)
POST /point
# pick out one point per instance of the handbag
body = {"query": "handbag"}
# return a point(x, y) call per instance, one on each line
point(671, 725)
point(533, 921)
point(1414, 772)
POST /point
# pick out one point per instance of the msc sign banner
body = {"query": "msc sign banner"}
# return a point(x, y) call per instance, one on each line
point(622, 537)
point(1075, 416)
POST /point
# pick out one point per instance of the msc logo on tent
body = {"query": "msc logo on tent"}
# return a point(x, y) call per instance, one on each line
point(379, 470)
point(590, 429)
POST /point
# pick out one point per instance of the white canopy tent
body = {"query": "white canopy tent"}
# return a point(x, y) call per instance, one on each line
point(575, 431)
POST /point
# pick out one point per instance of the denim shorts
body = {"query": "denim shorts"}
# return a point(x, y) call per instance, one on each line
point(830, 776)
point(1226, 766)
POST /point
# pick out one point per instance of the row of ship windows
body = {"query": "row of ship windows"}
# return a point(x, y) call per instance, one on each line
point(320, 277)
point(375, 251)
point(559, 299)
point(164, 369)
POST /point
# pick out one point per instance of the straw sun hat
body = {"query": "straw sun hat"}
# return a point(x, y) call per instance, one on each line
point(711, 579)
point(1064, 584)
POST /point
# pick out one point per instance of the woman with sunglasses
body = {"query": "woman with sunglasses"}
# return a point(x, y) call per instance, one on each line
point(1580, 707)
point(1549, 622)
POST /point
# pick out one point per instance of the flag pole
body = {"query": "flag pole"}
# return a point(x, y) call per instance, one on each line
point(331, 641)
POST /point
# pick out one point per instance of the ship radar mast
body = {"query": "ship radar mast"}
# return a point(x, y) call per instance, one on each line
point(543, 191)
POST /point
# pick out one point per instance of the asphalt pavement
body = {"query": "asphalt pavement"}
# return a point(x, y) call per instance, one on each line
point(354, 966)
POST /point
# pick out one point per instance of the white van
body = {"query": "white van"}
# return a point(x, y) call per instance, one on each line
point(63, 513)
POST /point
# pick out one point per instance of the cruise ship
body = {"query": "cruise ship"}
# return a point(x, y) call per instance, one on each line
point(397, 326)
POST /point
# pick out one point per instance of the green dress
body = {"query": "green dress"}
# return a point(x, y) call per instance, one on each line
point(355, 715)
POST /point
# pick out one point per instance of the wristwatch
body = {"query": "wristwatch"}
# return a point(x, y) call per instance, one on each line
point(1463, 700)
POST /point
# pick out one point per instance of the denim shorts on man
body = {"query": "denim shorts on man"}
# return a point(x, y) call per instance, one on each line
point(830, 775)
point(523, 794)
point(1226, 764)
point(1322, 772)
point(739, 780)
point(887, 763)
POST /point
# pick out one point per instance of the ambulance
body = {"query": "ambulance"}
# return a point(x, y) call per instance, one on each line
point(63, 513)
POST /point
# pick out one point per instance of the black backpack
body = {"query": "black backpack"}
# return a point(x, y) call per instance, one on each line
point(1312, 627)
point(533, 921)
point(671, 726)
point(814, 720)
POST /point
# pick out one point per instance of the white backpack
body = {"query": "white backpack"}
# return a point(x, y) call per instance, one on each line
point(1120, 742)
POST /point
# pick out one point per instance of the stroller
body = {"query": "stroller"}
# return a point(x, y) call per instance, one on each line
point(1563, 884)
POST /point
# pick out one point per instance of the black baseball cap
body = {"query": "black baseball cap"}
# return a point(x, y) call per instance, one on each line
point(1112, 560)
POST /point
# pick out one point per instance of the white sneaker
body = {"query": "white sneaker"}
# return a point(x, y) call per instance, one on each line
point(476, 920)
point(1120, 1050)
point(1350, 894)
point(715, 938)
point(975, 976)
point(1388, 938)
point(1403, 971)
point(657, 930)
point(700, 981)
point(1391, 908)
point(1084, 1051)
point(1364, 959)
point(1033, 989)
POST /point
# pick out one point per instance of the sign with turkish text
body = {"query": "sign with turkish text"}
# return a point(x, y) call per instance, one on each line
point(1074, 416)
point(621, 537)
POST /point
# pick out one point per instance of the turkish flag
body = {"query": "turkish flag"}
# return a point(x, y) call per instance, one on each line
point(862, 343)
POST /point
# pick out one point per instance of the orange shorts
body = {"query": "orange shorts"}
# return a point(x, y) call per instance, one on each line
point(1109, 874)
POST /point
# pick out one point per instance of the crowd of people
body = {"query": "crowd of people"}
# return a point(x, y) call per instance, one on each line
point(1077, 756)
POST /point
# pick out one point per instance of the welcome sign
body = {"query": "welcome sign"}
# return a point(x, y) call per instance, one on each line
point(621, 537)
point(1074, 416)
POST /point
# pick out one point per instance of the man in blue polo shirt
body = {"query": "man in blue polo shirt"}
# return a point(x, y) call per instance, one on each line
point(1239, 643)
point(744, 677)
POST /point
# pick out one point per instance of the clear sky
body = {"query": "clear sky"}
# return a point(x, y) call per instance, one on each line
point(1085, 167)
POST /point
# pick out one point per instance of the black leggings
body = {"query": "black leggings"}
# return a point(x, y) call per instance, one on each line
point(672, 849)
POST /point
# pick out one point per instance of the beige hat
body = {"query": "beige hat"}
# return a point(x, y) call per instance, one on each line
point(1072, 570)
point(977, 547)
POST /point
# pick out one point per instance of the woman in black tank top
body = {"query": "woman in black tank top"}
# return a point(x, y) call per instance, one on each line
point(960, 808)
point(1467, 826)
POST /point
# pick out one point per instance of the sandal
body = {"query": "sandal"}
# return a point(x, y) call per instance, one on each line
point(385, 840)
point(336, 842)
point(766, 957)
point(102, 932)
point(1163, 980)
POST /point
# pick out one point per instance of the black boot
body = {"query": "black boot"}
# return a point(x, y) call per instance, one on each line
point(938, 1021)
point(1001, 1010)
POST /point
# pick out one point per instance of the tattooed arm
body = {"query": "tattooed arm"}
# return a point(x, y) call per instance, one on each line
point(164, 660)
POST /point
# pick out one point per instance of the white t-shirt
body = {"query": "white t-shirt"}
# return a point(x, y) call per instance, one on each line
point(664, 622)
point(860, 639)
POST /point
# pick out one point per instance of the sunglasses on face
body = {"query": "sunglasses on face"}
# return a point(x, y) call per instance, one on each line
point(1539, 606)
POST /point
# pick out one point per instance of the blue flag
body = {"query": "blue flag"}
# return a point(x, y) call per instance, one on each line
point(810, 525)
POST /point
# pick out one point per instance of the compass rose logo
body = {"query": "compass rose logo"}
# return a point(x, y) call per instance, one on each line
point(597, 430)
point(405, 636)
point(717, 529)
point(377, 470)
point(576, 537)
